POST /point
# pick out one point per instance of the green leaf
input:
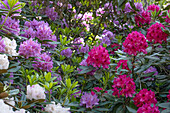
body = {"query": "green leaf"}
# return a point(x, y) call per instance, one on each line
point(48, 76)
point(131, 110)
point(68, 82)
point(14, 92)
point(164, 105)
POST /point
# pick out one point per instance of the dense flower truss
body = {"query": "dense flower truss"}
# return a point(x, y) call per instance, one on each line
point(167, 19)
point(123, 63)
point(155, 33)
point(168, 96)
point(123, 86)
point(51, 13)
point(135, 42)
point(153, 7)
point(10, 25)
point(105, 40)
point(108, 34)
point(30, 48)
point(10, 46)
point(53, 108)
point(4, 63)
point(98, 56)
point(144, 97)
point(66, 52)
point(4, 108)
point(89, 100)
point(145, 20)
point(138, 6)
point(83, 49)
point(44, 64)
point(2, 45)
point(151, 69)
point(35, 92)
point(147, 108)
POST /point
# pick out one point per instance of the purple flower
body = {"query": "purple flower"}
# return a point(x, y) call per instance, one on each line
point(50, 12)
point(66, 52)
point(89, 100)
point(11, 25)
point(108, 34)
point(151, 69)
point(127, 7)
point(83, 49)
point(77, 94)
point(2, 45)
point(30, 48)
point(139, 6)
point(105, 40)
point(44, 64)
point(29, 33)
point(11, 76)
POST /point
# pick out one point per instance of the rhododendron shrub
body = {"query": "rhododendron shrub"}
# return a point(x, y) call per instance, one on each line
point(87, 56)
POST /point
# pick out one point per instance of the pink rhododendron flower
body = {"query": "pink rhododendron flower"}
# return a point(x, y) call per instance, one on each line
point(147, 108)
point(168, 96)
point(144, 97)
point(98, 89)
point(135, 42)
point(123, 86)
point(123, 63)
point(155, 33)
point(153, 7)
point(98, 56)
point(145, 20)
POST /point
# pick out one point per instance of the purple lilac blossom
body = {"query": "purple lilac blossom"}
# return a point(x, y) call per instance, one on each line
point(89, 100)
point(11, 25)
point(44, 64)
point(30, 48)
point(66, 52)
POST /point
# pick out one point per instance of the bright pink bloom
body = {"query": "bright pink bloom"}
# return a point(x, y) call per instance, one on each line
point(98, 56)
point(167, 19)
point(155, 33)
point(135, 42)
point(124, 86)
point(123, 63)
point(168, 96)
point(115, 46)
point(147, 108)
point(98, 89)
point(145, 20)
point(153, 7)
point(144, 97)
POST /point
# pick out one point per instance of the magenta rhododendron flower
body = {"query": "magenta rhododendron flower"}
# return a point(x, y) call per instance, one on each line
point(144, 97)
point(123, 63)
point(145, 20)
point(89, 100)
point(153, 7)
point(44, 64)
point(135, 42)
point(116, 47)
point(30, 48)
point(167, 19)
point(123, 86)
point(168, 96)
point(155, 33)
point(98, 56)
point(147, 108)
point(98, 89)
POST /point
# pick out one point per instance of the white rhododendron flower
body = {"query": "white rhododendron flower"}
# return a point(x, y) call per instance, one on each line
point(4, 108)
point(21, 111)
point(52, 108)
point(10, 101)
point(35, 92)
point(10, 46)
point(4, 63)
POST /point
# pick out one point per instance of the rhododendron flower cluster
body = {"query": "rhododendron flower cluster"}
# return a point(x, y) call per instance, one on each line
point(66, 52)
point(167, 19)
point(155, 33)
point(147, 108)
point(4, 63)
point(89, 100)
point(145, 20)
point(116, 47)
point(144, 97)
point(153, 7)
point(123, 63)
point(4, 108)
point(98, 56)
point(51, 13)
point(44, 64)
point(151, 69)
point(98, 89)
point(135, 42)
point(2, 45)
point(138, 6)
point(35, 92)
point(30, 48)
point(83, 49)
point(123, 86)
point(11, 25)
point(108, 34)
point(168, 96)
point(53, 108)
point(10, 46)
